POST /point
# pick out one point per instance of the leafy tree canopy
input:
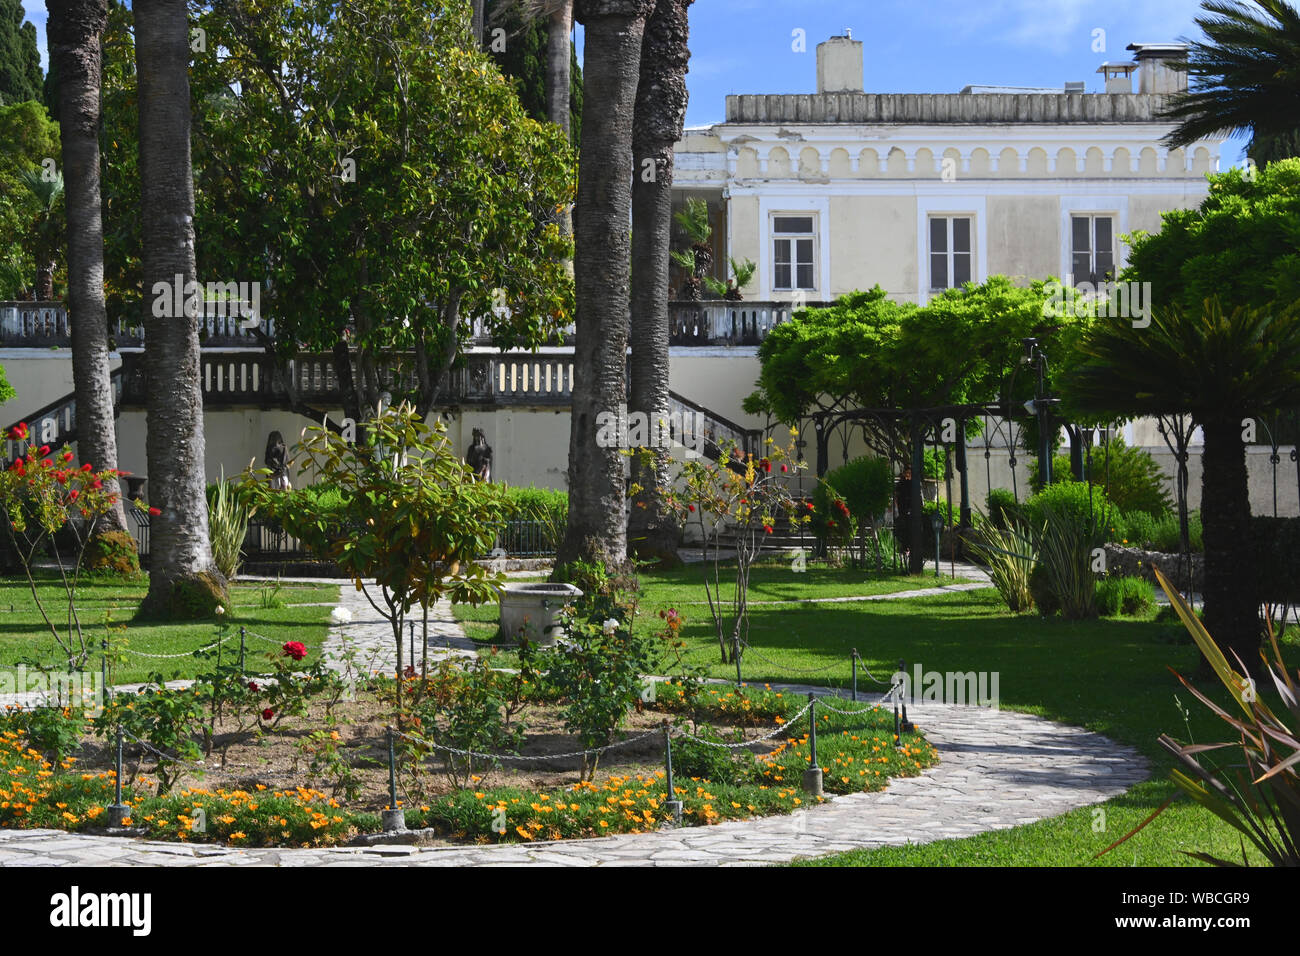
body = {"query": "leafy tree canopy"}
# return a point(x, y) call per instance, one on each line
point(868, 351)
point(28, 137)
point(1241, 244)
point(20, 61)
point(379, 181)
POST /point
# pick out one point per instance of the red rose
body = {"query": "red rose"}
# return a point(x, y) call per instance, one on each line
point(252, 685)
point(67, 456)
point(767, 528)
point(268, 714)
point(295, 649)
point(691, 507)
point(810, 506)
point(85, 467)
point(72, 495)
point(45, 449)
point(45, 462)
point(97, 484)
point(61, 477)
point(155, 512)
point(783, 469)
point(767, 465)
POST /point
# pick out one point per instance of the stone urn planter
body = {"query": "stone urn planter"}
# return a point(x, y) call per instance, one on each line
point(534, 609)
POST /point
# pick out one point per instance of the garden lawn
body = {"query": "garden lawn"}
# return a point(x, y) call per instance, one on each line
point(1110, 676)
point(260, 608)
point(770, 580)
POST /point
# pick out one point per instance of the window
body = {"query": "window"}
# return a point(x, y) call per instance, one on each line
point(793, 252)
point(1092, 249)
point(950, 252)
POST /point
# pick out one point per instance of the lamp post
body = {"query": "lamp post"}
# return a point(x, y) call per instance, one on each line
point(936, 522)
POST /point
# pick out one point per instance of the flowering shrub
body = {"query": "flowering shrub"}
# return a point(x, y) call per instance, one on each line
point(42, 494)
point(737, 498)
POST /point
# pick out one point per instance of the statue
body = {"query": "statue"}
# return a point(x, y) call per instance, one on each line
point(479, 456)
point(276, 459)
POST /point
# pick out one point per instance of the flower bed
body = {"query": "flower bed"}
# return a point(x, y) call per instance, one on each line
point(42, 786)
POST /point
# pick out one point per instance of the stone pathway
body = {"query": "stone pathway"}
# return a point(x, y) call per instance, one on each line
point(997, 770)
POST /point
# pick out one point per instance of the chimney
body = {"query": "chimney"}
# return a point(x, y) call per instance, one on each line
point(839, 65)
point(1155, 75)
point(1118, 76)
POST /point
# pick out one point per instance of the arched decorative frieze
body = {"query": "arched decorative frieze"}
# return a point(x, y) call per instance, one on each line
point(1120, 163)
point(1201, 161)
point(778, 163)
point(868, 163)
point(980, 164)
point(1067, 162)
point(923, 163)
point(1149, 162)
point(1008, 162)
point(747, 163)
point(896, 164)
point(1094, 162)
point(810, 164)
point(840, 166)
point(1036, 163)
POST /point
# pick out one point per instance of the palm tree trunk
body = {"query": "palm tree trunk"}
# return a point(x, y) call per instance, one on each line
point(559, 57)
point(476, 23)
point(653, 530)
point(75, 28)
point(597, 526)
point(183, 580)
point(1231, 612)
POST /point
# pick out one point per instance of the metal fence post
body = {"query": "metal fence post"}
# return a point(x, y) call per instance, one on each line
point(855, 674)
point(394, 818)
point(119, 812)
point(812, 777)
point(671, 804)
point(241, 649)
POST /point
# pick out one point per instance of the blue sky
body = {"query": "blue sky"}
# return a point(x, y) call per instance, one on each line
point(912, 46)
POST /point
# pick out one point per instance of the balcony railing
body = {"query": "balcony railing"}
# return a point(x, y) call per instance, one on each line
point(708, 322)
point(727, 322)
point(45, 324)
point(249, 378)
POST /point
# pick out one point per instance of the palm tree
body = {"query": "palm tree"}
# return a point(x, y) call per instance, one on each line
point(1222, 367)
point(183, 579)
point(1245, 75)
point(74, 30)
point(46, 228)
point(597, 527)
point(660, 114)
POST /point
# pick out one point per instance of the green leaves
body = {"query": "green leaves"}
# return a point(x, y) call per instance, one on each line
point(412, 516)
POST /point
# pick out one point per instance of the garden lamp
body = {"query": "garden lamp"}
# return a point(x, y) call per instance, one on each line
point(936, 522)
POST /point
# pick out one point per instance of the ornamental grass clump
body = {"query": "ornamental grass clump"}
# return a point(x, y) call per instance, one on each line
point(1009, 549)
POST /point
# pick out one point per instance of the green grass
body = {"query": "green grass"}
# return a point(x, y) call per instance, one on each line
point(114, 601)
point(1110, 676)
point(683, 588)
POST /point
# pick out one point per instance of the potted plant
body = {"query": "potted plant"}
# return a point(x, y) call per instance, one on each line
point(697, 260)
point(741, 273)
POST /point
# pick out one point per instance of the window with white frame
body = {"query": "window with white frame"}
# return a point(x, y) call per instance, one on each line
point(1092, 248)
point(951, 252)
point(794, 252)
